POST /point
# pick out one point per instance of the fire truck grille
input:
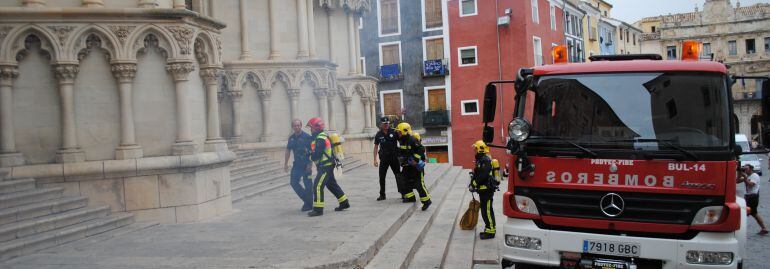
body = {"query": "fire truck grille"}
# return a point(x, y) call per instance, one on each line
point(638, 207)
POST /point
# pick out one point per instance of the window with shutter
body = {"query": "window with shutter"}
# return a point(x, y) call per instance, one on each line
point(389, 17)
point(434, 49)
point(391, 54)
point(433, 18)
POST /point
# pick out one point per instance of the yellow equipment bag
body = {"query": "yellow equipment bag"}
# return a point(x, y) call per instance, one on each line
point(471, 216)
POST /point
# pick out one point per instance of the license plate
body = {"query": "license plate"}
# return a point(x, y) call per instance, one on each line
point(612, 248)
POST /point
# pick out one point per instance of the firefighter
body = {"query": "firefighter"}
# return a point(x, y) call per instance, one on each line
point(484, 181)
point(385, 145)
point(411, 156)
point(321, 153)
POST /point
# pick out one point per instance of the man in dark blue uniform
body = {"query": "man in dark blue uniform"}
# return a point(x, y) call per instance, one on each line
point(385, 147)
point(299, 144)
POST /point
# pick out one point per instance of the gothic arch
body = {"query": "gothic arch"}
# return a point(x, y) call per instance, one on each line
point(361, 91)
point(15, 43)
point(310, 78)
point(343, 91)
point(138, 39)
point(281, 76)
point(252, 78)
point(205, 49)
point(89, 37)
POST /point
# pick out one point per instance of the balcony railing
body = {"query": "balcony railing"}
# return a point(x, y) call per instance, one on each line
point(391, 72)
point(436, 118)
point(435, 68)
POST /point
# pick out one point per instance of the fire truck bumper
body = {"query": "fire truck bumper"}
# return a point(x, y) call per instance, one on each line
point(524, 242)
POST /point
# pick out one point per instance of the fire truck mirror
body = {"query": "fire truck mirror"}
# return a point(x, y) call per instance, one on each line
point(490, 103)
point(765, 101)
point(489, 134)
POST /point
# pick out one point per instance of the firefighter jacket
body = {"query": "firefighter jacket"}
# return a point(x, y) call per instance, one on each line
point(410, 148)
point(321, 150)
point(483, 174)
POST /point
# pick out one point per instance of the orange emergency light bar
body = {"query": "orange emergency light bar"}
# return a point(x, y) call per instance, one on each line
point(559, 54)
point(691, 50)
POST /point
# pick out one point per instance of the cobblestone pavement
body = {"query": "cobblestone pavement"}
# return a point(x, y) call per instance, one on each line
point(758, 247)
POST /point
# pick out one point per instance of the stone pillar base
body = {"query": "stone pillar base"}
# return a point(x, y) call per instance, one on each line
point(70, 156)
point(215, 145)
point(183, 148)
point(11, 159)
point(234, 140)
point(129, 152)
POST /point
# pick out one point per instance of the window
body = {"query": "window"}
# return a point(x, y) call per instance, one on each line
point(435, 98)
point(467, 56)
point(767, 44)
point(432, 14)
point(732, 47)
point(671, 53)
point(538, 50)
point(751, 47)
point(468, 8)
point(360, 22)
point(567, 23)
point(363, 65)
point(707, 49)
point(634, 39)
point(389, 19)
point(392, 103)
point(535, 12)
point(434, 49)
point(390, 54)
point(553, 17)
point(653, 29)
point(621, 34)
point(470, 107)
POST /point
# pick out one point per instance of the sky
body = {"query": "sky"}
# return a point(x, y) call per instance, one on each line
point(632, 10)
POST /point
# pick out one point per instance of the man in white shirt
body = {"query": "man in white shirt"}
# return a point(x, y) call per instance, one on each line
point(751, 181)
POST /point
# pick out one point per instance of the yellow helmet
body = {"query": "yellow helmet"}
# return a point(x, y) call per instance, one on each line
point(481, 147)
point(404, 128)
point(417, 136)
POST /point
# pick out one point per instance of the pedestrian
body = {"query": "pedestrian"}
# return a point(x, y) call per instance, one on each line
point(484, 181)
point(321, 153)
point(299, 144)
point(385, 147)
point(751, 181)
point(411, 156)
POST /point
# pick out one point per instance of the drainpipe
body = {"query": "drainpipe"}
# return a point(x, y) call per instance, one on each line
point(500, 73)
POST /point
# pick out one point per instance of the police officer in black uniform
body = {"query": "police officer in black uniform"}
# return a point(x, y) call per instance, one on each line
point(385, 146)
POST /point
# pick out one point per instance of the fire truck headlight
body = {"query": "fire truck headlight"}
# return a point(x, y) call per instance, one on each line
point(526, 205)
point(708, 215)
point(524, 242)
point(709, 257)
point(518, 129)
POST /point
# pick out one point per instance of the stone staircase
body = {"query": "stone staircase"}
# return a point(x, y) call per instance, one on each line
point(34, 218)
point(254, 173)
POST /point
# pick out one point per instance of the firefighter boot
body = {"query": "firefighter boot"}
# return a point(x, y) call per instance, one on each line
point(344, 205)
point(316, 212)
point(485, 235)
point(426, 204)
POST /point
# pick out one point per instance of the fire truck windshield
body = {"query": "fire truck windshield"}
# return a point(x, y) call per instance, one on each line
point(638, 111)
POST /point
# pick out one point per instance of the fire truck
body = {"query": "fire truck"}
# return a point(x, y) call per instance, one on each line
point(624, 162)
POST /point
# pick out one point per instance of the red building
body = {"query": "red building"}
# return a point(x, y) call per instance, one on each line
point(491, 40)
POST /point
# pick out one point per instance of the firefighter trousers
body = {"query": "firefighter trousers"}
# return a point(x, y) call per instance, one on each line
point(325, 179)
point(414, 180)
point(390, 161)
point(487, 211)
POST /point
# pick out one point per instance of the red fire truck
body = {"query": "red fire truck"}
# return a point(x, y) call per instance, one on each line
point(628, 161)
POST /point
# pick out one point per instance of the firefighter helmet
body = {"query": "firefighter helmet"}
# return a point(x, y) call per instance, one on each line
point(481, 147)
point(316, 124)
point(404, 128)
point(416, 135)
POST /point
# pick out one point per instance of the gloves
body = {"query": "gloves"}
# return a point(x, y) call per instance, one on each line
point(421, 165)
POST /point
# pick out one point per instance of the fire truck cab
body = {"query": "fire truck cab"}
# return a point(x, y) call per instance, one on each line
point(628, 161)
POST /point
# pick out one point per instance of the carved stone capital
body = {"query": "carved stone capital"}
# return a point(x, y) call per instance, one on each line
point(264, 94)
point(211, 75)
point(331, 94)
point(347, 100)
point(321, 93)
point(183, 36)
point(66, 73)
point(180, 71)
point(235, 95)
point(7, 74)
point(124, 72)
point(366, 100)
point(293, 93)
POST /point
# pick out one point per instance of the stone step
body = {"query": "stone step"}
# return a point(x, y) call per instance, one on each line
point(459, 253)
point(43, 208)
point(249, 153)
point(436, 243)
point(31, 244)
point(120, 231)
point(254, 166)
point(21, 229)
point(245, 177)
point(16, 185)
point(238, 162)
point(400, 249)
point(29, 196)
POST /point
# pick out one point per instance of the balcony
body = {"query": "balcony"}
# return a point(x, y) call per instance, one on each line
point(391, 72)
point(435, 68)
point(436, 118)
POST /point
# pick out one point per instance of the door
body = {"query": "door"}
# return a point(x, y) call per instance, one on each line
point(391, 103)
point(436, 99)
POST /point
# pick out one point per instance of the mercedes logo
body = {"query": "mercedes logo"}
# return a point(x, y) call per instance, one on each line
point(613, 168)
point(612, 205)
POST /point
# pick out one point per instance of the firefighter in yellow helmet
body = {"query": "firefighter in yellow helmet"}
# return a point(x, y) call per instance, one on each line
point(484, 181)
point(411, 156)
point(321, 152)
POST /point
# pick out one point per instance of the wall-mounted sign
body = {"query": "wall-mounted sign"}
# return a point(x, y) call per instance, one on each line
point(435, 140)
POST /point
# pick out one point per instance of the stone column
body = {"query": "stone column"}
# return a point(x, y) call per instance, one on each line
point(347, 101)
point(92, 3)
point(302, 32)
point(9, 156)
point(180, 71)
point(235, 97)
point(264, 97)
point(329, 18)
point(69, 151)
point(214, 141)
point(274, 34)
point(311, 28)
point(367, 113)
point(128, 148)
point(148, 3)
point(323, 104)
point(245, 53)
point(357, 39)
point(212, 7)
point(179, 4)
point(294, 102)
point(351, 44)
point(33, 3)
point(331, 95)
point(373, 114)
